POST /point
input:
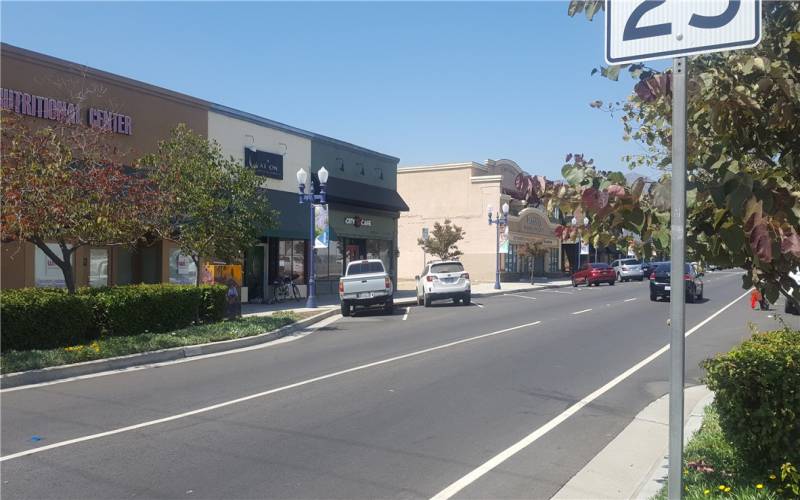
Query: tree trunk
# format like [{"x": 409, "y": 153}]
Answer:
[
  {"x": 64, "y": 263},
  {"x": 196, "y": 260}
]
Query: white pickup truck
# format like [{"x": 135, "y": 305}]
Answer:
[{"x": 365, "y": 283}]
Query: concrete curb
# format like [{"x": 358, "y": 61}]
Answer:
[
  {"x": 52, "y": 373},
  {"x": 633, "y": 465},
  {"x": 652, "y": 484}
]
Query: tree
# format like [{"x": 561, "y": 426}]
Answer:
[
  {"x": 442, "y": 240},
  {"x": 743, "y": 189},
  {"x": 64, "y": 184},
  {"x": 532, "y": 250},
  {"x": 213, "y": 207}
]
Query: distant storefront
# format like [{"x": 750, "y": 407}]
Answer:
[
  {"x": 463, "y": 192},
  {"x": 362, "y": 189}
]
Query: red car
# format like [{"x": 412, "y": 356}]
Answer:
[{"x": 594, "y": 273}]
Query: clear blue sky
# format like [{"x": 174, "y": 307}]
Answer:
[{"x": 426, "y": 82}]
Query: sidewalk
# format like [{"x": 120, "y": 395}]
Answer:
[
  {"x": 634, "y": 464},
  {"x": 404, "y": 296}
]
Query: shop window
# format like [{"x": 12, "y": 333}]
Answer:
[
  {"x": 98, "y": 267},
  {"x": 182, "y": 270},
  {"x": 335, "y": 260},
  {"x": 554, "y": 261},
  {"x": 46, "y": 272},
  {"x": 321, "y": 263},
  {"x": 291, "y": 260}
]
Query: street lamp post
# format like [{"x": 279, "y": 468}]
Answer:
[
  {"x": 311, "y": 198},
  {"x": 585, "y": 224},
  {"x": 498, "y": 221}
]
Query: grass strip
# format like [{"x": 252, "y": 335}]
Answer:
[
  {"x": 713, "y": 470},
  {"x": 109, "y": 347}
]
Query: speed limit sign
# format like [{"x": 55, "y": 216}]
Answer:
[{"x": 641, "y": 30}]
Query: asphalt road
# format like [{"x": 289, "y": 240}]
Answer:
[{"x": 371, "y": 406}]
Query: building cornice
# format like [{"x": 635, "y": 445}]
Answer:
[
  {"x": 441, "y": 166},
  {"x": 484, "y": 179}
]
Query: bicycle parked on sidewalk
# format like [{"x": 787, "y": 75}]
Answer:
[{"x": 284, "y": 289}]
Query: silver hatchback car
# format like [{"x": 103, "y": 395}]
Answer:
[{"x": 628, "y": 269}]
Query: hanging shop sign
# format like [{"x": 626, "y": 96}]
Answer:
[
  {"x": 358, "y": 221},
  {"x": 57, "y": 110},
  {"x": 264, "y": 163}
]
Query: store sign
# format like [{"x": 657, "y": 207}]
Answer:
[
  {"x": 265, "y": 164},
  {"x": 66, "y": 112},
  {"x": 358, "y": 221}
]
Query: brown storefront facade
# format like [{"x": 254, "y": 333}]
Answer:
[{"x": 43, "y": 90}]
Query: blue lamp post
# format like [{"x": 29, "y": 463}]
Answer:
[
  {"x": 311, "y": 199},
  {"x": 498, "y": 221}
]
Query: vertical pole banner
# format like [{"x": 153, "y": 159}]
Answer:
[{"x": 321, "y": 228}]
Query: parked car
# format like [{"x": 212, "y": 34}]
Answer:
[
  {"x": 594, "y": 273},
  {"x": 443, "y": 280},
  {"x": 660, "y": 282},
  {"x": 792, "y": 306},
  {"x": 628, "y": 269},
  {"x": 365, "y": 283}
]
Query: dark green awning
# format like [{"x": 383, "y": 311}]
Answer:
[{"x": 292, "y": 220}]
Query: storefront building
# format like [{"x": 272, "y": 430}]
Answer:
[
  {"x": 462, "y": 193},
  {"x": 364, "y": 205},
  {"x": 44, "y": 89}
]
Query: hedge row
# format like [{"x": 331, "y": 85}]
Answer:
[
  {"x": 757, "y": 396},
  {"x": 41, "y": 318}
]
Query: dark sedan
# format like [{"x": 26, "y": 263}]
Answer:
[{"x": 660, "y": 282}]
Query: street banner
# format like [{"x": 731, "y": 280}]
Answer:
[
  {"x": 503, "y": 239},
  {"x": 321, "y": 229}
]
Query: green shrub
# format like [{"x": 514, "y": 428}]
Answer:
[
  {"x": 757, "y": 395},
  {"x": 41, "y": 318},
  {"x": 213, "y": 303},
  {"x": 133, "y": 309}
]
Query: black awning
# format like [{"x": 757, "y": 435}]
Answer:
[{"x": 363, "y": 195}]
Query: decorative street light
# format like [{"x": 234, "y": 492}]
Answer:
[
  {"x": 311, "y": 198},
  {"x": 497, "y": 221},
  {"x": 585, "y": 224}
]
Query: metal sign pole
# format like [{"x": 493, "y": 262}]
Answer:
[{"x": 678, "y": 288}]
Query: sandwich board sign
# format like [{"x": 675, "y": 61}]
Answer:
[{"x": 642, "y": 30}]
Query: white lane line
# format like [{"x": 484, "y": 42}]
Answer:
[
  {"x": 405, "y": 316},
  {"x": 308, "y": 330},
  {"x": 518, "y": 296},
  {"x": 257, "y": 395},
  {"x": 512, "y": 450},
  {"x": 629, "y": 300},
  {"x": 479, "y": 305},
  {"x": 581, "y": 312}
]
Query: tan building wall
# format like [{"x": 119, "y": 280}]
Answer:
[
  {"x": 459, "y": 192},
  {"x": 462, "y": 192}
]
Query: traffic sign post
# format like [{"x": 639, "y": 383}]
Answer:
[{"x": 641, "y": 30}]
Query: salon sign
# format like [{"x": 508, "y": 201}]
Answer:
[{"x": 48, "y": 108}]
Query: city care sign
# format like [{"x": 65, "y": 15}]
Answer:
[
  {"x": 641, "y": 30},
  {"x": 61, "y": 111}
]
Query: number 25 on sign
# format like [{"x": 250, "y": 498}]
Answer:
[{"x": 641, "y": 30}]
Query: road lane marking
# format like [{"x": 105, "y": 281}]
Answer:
[
  {"x": 257, "y": 395},
  {"x": 518, "y": 296},
  {"x": 308, "y": 330},
  {"x": 581, "y": 312},
  {"x": 629, "y": 300},
  {"x": 554, "y": 291},
  {"x": 479, "y": 305},
  {"x": 405, "y": 316},
  {"x": 512, "y": 450}
]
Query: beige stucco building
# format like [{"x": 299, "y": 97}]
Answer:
[{"x": 462, "y": 192}]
